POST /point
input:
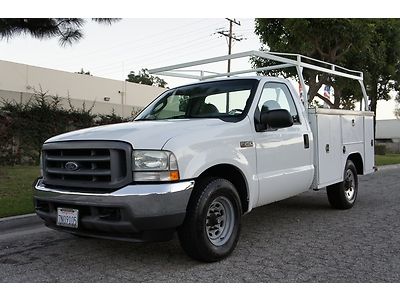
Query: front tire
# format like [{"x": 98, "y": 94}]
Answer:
[
  {"x": 211, "y": 227},
  {"x": 343, "y": 195}
]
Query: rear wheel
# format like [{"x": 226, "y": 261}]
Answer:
[
  {"x": 212, "y": 225},
  {"x": 343, "y": 195}
]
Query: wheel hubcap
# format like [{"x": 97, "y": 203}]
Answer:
[
  {"x": 349, "y": 186},
  {"x": 219, "y": 221}
]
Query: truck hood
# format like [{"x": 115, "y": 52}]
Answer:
[{"x": 140, "y": 134}]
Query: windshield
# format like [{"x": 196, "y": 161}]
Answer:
[{"x": 225, "y": 99}]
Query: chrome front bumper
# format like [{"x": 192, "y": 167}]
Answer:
[{"x": 123, "y": 214}]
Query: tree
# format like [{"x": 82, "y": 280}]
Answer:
[
  {"x": 83, "y": 72},
  {"x": 143, "y": 77},
  {"x": 68, "y": 30},
  {"x": 381, "y": 65},
  {"x": 368, "y": 45},
  {"x": 324, "y": 39}
]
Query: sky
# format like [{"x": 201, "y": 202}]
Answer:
[{"x": 133, "y": 43}]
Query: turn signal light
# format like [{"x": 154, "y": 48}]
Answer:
[{"x": 174, "y": 175}]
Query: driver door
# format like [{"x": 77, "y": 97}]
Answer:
[{"x": 284, "y": 160}]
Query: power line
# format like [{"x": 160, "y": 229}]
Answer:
[
  {"x": 166, "y": 58},
  {"x": 147, "y": 39},
  {"x": 188, "y": 44},
  {"x": 163, "y": 54},
  {"x": 123, "y": 43}
]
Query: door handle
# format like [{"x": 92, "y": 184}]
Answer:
[{"x": 306, "y": 141}]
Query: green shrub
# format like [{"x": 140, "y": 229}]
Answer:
[
  {"x": 380, "y": 149},
  {"x": 25, "y": 126}
]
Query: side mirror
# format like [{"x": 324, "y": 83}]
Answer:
[{"x": 277, "y": 118}]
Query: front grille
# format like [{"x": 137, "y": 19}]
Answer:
[{"x": 87, "y": 164}]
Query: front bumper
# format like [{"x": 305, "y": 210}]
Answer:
[{"x": 135, "y": 212}]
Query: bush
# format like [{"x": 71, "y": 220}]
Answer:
[
  {"x": 380, "y": 149},
  {"x": 25, "y": 126}
]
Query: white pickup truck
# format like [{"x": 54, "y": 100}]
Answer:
[{"x": 202, "y": 155}]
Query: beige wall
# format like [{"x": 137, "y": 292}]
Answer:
[
  {"x": 19, "y": 80},
  {"x": 99, "y": 107}
]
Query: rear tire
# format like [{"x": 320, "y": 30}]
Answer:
[
  {"x": 211, "y": 227},
  {"x": 343, "y": 195}
]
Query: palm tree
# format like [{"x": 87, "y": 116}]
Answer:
[{"x": 68, "y": 30}]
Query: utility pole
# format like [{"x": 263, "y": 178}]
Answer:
[{"x": 231, "y": 36}]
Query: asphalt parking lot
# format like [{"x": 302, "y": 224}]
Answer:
[{"x": 300, "y": 239}]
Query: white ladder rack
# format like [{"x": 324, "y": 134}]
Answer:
[{"x": 286, "y": 60}]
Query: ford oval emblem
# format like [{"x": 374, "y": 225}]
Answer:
[{"x": 71, "y": 166}]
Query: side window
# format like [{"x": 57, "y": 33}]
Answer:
[
  {"x": 218, "y": 100},
  {"x": 277, "y": 96},
  {"x": 230, "y": 103}
]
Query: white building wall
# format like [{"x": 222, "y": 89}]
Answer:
[
  {"x": 388, "y": 129},
  {"x": 388, "y": 134},
  {"x": 20, "y": 80}
]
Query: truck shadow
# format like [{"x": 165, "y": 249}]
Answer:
[{"x": 284, "y": 214}]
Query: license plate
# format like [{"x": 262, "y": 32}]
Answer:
[{"x": 67, "y": 217}]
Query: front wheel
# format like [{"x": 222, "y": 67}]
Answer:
[
  {"x": 343, "y": 195},
  {"x": 211, "y": 228}
]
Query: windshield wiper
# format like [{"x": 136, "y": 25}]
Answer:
[
  {"x": 170, "y": 118},
  {"x": 177, "y": 117}
]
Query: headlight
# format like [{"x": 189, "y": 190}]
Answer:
[{"x": 154, "y": 165}]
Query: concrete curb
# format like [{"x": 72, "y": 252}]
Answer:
[
  {"x": 15, "y": 222},
  {"x": 388, "y": 167}
]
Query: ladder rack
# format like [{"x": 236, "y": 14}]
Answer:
[{"x": 286, "y": 60}]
